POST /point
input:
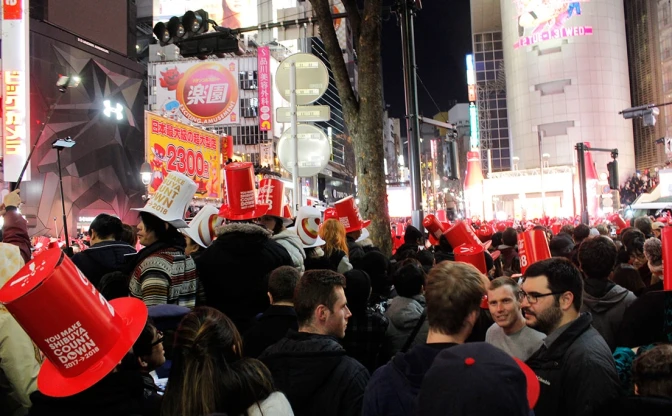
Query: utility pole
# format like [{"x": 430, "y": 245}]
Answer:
[{"x": 407, "y": 9}]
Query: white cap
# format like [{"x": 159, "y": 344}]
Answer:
[
  {"x": 171, "y": 200},
  {"x": 202, "y": 227},
  {"x": 307, "y": 227}
]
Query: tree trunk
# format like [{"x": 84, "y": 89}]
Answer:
[{"x": 363, "y": 116}]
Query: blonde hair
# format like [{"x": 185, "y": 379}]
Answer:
[{"x": 333, "y": 234}]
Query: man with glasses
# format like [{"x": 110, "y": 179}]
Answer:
[{"x": 574, "y": 365}]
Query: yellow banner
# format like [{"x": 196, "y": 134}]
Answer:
[{"x": 174, "y": 146}]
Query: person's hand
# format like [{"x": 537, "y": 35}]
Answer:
[{"x": 12, "y": 199}]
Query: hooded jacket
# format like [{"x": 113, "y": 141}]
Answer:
[
  {"x": 234, "y": 268},
  {"x": 393, "y": 388},
  {"x": 403, "y": 314},
  {"x": 292, "y": 243},
  {"x": 102, "y": 258},
  {"x": 576, "y": 373},
  {"x": 607, "y": 303},
  {"x": 316, "y": 375}
]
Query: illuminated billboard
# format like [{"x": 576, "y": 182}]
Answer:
[
  {"x": 233, "y": 14},
  {"x": 475, "y": 139},
  {"x": 543, "y": 20},
  {"x": 471, "y": 78}
]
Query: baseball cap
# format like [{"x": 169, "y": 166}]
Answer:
[{"x": 477, "y": 379}]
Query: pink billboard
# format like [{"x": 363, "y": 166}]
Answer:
[
  {"x": 542, "y": 20},
  {"x": 264, "y": 76}
]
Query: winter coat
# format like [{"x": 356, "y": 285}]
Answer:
[
  {"x": 163, "y": 274},
  {"x": 576, "y": 373},
  {"x": 118, "y": 394},
  {"x": 394, "y": 387},
  {"x": 638, "y": 405},
  {"x": 15, "y": 231},
  {"x": 19, "y": 365},
  {"x": 403, "y": 314},
  {"x": 271, "y": 327},
  {"x": 102, "y": 258},
  {"x": 644, "y": 321},
  {"x": 316, "y": 375},
  {"x": 234, "y": 270},
  {"x": 355, "y": 250},
  {"x": 608, "y": 309},
  {"x": 292, "y": 243},
  {"x": 276, "y": 405}
]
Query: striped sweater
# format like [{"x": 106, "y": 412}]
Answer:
[{"x": 167, "y": 277}]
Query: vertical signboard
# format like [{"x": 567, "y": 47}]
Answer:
[
  {"x": 15, "y": 79},
  {"x": 471, "y": 78},
  {"x": 264, "y": 75}
]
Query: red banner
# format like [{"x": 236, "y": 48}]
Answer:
[
  {"x": 264, "y": 77},
  {"x": 11, "y": 9}
]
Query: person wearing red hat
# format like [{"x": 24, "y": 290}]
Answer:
[
  {"x": 348, "y": 215},
  {"x": 453, "y": 294},
  {"x": 574, "y": 365}
]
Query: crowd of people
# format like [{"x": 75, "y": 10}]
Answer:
[{"x": 250, "y": 312}]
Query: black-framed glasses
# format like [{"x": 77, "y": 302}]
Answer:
[
  {"x": 533, "y": 298},
  {"x": 158, "y": 340}
]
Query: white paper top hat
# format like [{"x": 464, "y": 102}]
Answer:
[
  {"x": 171, "y": 200},
  {"x": 307, "y": 227},
  {"x": 202, "y": 227}
]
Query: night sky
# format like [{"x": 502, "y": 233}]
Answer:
[{"x": 442, "y": 39}]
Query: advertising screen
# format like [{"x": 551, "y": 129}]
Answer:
[
  {"x": 199, "y": 92},
  {"x": 233, "y": 14},
  {"x": 542, "y": 20},
  {"x": 173, "y": 146}
]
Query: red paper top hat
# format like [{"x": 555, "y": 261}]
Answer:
[
  {"x": 532, "y": 247},
  {"x": 272, "y": 193},
  {"x": 82, "y": 335},
  {"x": 348, "y": 215},
  {"x": 462, "y": 233},
  {"x": 441, "y": 215},
  {"x": 241, "y": 196},
  {"x": 501, "y": 226},
  {"x": 618, "y": 222},
  {"x": 472, "y": 254},
  {"x": 485, "y": 232},
  {"x": 330, "y": 213},
  {"x": 434, "y": 227}
]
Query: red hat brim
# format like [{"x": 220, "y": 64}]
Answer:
[
  {"x": 51, "y": 382},
  {"x": 358, "y": 227},
  {"x": 258, "y": 211},
  {"x": 533, "y": 387}
]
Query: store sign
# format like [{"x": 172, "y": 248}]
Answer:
[
  {"x": 475, "y": 139},
  {"x": 265, "y": 88},
  {"x": 471, "y": 78},
  {"x": 202, "y": 93},
  {"x": 540, "y": 21},
  {"x": 177, "y": 147},
  {"x": 15, "y": 87}
]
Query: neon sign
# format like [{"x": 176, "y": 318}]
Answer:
[
  {"x": 471, "y": 78},
  {"x": 15, "y": 87},
  {"x": 539, "y": 21},
  {"x": 475, "y": 139}
]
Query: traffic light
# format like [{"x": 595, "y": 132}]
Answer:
[
  {"x": 215, "y": 43},
  {"x": 647, "y": 112},
  {"x": 612, "y": 168},
  {"x": 177, "y": 28}
]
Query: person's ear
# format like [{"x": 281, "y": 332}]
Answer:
[
  {"x": 270, "y": 297},
  {"x": 566, "y": 300},
  {"x": 142, "y": 363},
  {"x": 322, "y": 313},
  {"x": 636, "y": 390}
]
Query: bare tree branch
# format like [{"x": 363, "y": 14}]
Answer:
[
  {"x": 355, "y": 20},
  {"x": 328, "y": 34}
]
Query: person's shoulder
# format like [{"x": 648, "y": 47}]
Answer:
[
  {"x": 532, "y": 333},
  {"x": 588, "y": 346}
]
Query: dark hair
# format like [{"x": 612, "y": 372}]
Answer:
[
  {"x": 142, "y": 347},
  {"x": 113, "y": 285},
  {"x": 208, "y": 373},
  {"x": 425, "y": 257},
  {"x": 497, "y": 239},
  {"x": 409, "y": 279},
  {"x": 652, "y": 372},
  {"x": 581, "y": 232},
  {"x": 645, "y": 225},
  {"x": 510, "y": 237},
  {"x": 129, "y": 235},
  {"x": 277, "y": 228},
  {"x": 628, "y": 277},
  {"x": 357, "y": 290},
  {"x": 315, "y": 288},
  {"x": 562, "y": 277},
  {"x": 377, "y": 266},
  {"x": 633, "y": 242},
  {"x": 282, "y": 282},
  {"x": 453, "y": 291},
  {"x": 504, "y": 281},
  {"x": 106, "y": 226},
  {"x": 567, "y": 229},
  {"x": 597, "y": 257},
  {"x": 158, "y": 226}
]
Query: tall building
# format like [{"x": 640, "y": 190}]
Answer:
[
  {"x": 664, "y": 14},
  {"x": 493, "y": 124},
  {"x": 645, "y": 52}
]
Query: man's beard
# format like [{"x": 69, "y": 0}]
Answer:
[{"x": 548, "y": 320}]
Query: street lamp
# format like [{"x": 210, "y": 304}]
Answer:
[
  {"x": 59, "y": 145},
  {"x": 146, "y": 176}
]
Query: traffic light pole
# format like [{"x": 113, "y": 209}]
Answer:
[{"x": 581, "y": 149}]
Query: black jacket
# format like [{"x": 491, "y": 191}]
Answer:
[
  {"x": 118, "y": 394},
  {"x": 394, "y": 387},
  {"x": 271, "y": 327},
  {"x": 577, "y": 374},
  {"x": 644, "y": 321},
  {"x": 234, "y": 271},
  {"x": 102, "y": 258},
  {"x": 355, "y": 250},
  {"x": 638, "y": 405},
  {"x": 316, "y": 376}
]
